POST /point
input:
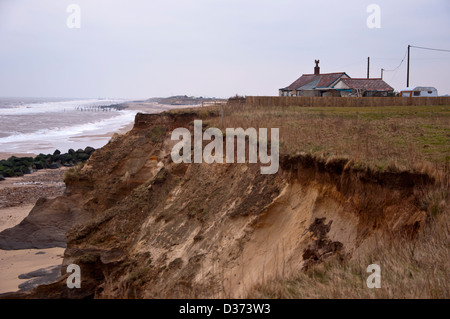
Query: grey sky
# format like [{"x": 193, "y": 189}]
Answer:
[{"x": 140, "y": 49}]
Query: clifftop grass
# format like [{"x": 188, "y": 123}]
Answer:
[{"x": 413, "y": 138}]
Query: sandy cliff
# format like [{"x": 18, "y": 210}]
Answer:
[{"x": 141, "y": 226}]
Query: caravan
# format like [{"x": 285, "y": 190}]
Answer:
[{"x": 418, "y": 91}]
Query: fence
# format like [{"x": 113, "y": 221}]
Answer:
[{"x": 345, "y": 101}]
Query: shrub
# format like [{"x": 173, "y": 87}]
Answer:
[
  {"x": 73, "y": 173},
  {"x": 156, "y": 134}
]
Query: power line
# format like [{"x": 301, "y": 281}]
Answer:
[
  {"x": 423, "y": 48},
  {"x": 403, "y": 60},
  {"x": 412, "y": 46},
  {"x": 399, "y": 64},
  {"x": 432, "y": 49}
]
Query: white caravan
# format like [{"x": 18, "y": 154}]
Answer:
[{"x": 419, "y": 91}]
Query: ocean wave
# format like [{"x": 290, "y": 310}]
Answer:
[
  {"x": 59, "y": 106},
  {"x": 75, "y": 136}
]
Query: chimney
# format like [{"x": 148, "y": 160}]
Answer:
[{"x": 316, "y": 68}]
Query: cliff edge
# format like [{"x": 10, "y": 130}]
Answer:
[{"x": 141, "y": 226}]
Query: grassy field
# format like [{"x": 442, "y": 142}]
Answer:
[{"x": 383, "y": 138}]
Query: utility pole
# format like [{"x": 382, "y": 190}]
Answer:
[
  {"x": 368, "y": 67},
  {"x": 222, "y": 111},
  {"x": 407, "y": 70}
]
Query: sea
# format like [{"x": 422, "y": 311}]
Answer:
[{"x": 42, "y": 125}]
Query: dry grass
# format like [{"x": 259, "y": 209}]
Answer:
[
  {"x": 413, "y": 138},
  {"x": 409, "y": 269},
  {"x": 73, "y": 173}
]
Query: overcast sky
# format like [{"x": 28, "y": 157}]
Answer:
[{"x": 215, "y": 48}]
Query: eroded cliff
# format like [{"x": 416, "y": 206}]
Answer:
[{"x": 151, "y": 228}]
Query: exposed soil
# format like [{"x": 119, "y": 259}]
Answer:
[{"x": 149, "y": 228}]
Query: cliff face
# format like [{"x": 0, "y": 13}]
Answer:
[{"x": 156, "y": 229}]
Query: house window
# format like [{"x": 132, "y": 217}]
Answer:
[{"x": 416, "y": 93}]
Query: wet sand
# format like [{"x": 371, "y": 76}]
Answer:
[
  {"x": 17, "y": 198},
  {"x": 14, "y": 263}
]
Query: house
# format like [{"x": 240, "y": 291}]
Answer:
[
  {"x": 363, "y": 87},
  {"x": 317, "y": 84},
  {"x": 335, "y": 84}
]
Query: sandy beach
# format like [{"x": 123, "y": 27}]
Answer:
[
  {"x": 5, "y": 155},
  {"x": 17, "y": 198},
  {"x": 14, "y": 263},
  {"x": 11, "y": 216}
]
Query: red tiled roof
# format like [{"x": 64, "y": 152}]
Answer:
[
  {"x": 368, "y": 84},
  {"x": 324, "y": 80}
]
